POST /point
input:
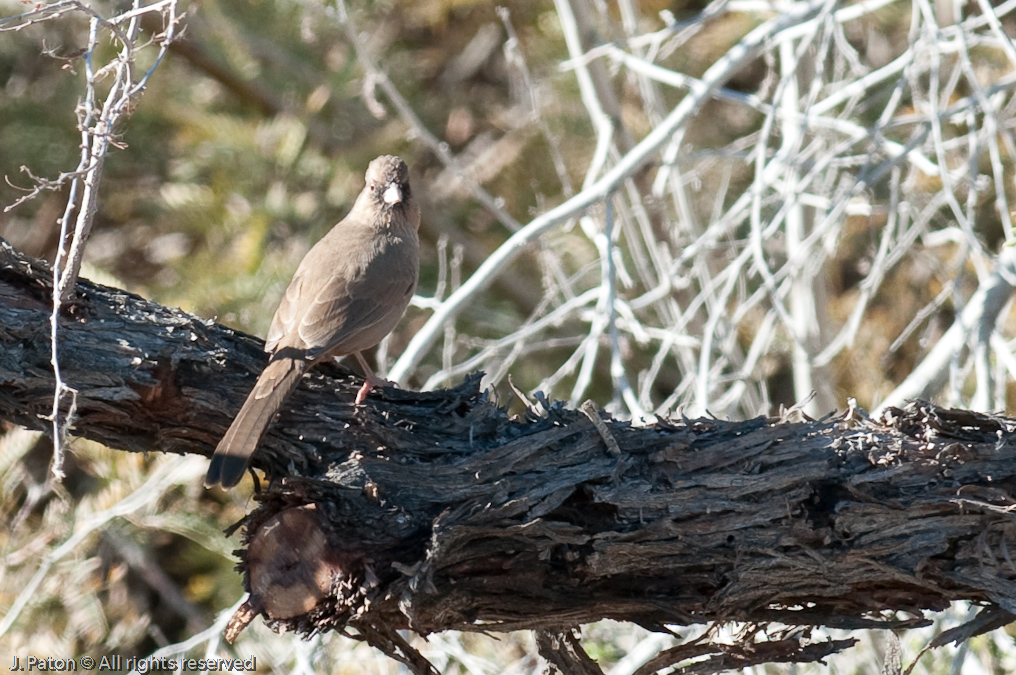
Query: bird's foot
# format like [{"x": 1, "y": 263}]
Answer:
[{"x": 369, "y": 384}]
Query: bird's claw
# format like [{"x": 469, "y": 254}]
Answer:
[{"x": 369, "y": 384}]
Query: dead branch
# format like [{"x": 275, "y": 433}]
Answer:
[{"x": 437, "y": 511}]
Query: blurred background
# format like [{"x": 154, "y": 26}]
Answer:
[{"x": 758, "y": 205}]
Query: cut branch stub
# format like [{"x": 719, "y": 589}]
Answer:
[{"x": 292, "y": 563}]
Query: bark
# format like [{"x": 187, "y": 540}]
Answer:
[{"x": 437, "y": 510}]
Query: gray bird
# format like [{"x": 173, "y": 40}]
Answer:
[{"x": 349, "y": 292}]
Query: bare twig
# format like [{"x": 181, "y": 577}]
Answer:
[
  {"x": 750, "y": 46},
  {"x": 98, "y": 128},
  {"x": 976, "y": 322}
]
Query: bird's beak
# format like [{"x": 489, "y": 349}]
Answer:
[{"x": 393, "y": 194}]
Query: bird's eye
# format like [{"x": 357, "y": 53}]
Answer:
[{"x": 372, "y": 187}]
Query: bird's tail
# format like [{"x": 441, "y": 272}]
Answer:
[{"x": 273, "y": 387}]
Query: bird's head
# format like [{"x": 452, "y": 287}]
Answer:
[{"x": 388, "y": 183}]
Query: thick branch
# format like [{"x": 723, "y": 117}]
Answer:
[{"x": 435, "y": 511}]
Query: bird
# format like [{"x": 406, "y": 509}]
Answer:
[{"x": 348, "y": 293}]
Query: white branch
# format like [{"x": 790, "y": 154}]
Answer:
[{"x": 496, "y": 264}]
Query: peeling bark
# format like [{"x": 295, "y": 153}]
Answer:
[{"x": 437, "y": 511}]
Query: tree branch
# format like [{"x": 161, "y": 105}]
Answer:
[{"x": 437, "y": 511}]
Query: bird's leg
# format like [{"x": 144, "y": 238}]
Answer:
[{"x": 371, "y": 381}]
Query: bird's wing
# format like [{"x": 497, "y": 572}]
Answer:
[{"x": 349, "y": 307}]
